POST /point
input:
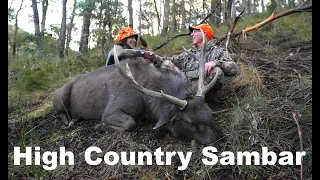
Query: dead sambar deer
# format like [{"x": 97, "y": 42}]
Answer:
[{"x": 120, "y": 93}]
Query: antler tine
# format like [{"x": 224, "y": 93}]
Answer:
[
  {"x": 201, "y": 67},
  {"x": 190, "y": 53},
  {"x": 211, "y": 84},
  {"x": 129, "y": 75},
  {"x": 180, "y": 103}
]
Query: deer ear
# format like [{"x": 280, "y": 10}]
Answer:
[{"x": 163, "y": 120}]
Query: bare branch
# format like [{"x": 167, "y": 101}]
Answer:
[
  {"x": 168, "y": 40},
  {"x": 232, "y": 28},
  {"x": 210, "y": 13},
  {"x": 184, "y": 34}
]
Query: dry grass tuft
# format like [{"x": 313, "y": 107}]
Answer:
[{"x": 250, "y": 77}]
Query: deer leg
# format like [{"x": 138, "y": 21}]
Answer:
[
  {"x": 63, "y": 118},
  {"x": 73, "y": 121},
  {"x": 118, "y": 120},
  {"x": 68, "y": 124}
]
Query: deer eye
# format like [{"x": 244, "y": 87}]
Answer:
[{"x": 193, "y": 124}]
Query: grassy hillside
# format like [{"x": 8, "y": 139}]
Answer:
[{"x": 261, "y": 107}]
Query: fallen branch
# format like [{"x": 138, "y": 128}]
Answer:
[{"x": 273, "y": 17}]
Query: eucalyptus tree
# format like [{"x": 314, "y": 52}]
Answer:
[
  {"x": 62, "y": 35},
  {"x": 262, "y": 6},
  {"x": 166, "y": 15},
  {"x": 113, "y": 18},
  {"x": 140, "y": 17},
  {"x": 147, "y": 15},
  {"x": 233, "y": 9},
  {"x": 36, "y": 24},
  {"x": 191, "y": 8},
  {"x": 45, "y": 4},
  {"x": 86, "y": 6},
  {"x": 158, "y": 15},
  {"x": 183, "y": 14},
  {"x": 70, "y": 27},
  {"x": 15, "y": 41},
  {"x": 291, "y": 3},
  {"x": 173, "y": 17},
  {"x": 98, "y": 32},
  {"x": 227, "y": 13},
  {"x": 109, "y": 17},
  {"x": 130, "y": 13}
]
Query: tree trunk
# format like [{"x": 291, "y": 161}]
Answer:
[
  {"x": 212, "y": 17},
  {"x": 203, "y": 9},
  {"x": 249, "y": 7},
  {"x": 100, "y": 18},
  {"x": 227, "y": 13},
  {"x": 158, "y": 15},
  {"x": 300, "y": 2},
  {"x": 70, "y": 27},
  {"x": 174, "y": 20},
  {"x": 44, "y": 14},
  {"x": 130, "y": 13},
  {"x": 140, "y": 17},
  {"x": 36, "y": 24},
  {"x": 104, "y": 25},
  {"x": 262, "y": 6},
  {"x": 183, "y": 15},
  {"x": 291, "y": 3},
  {"x": 15, "y": 41},
  {"x": 85, "y": 32},
  {"x": 233, "y": 10},
  {"x": 278, "y": 3},
  {"x": 218, "y": 14},
  {"x": 62, "y": 37},
  {"x": 166, "y": 17},
  {"x": 110, "y": 32},
  {"x": 190, "y": 12}
]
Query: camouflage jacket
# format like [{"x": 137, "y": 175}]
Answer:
[
  {"x": 190, "y": 65},
  {"x": 122, "y": 53}
]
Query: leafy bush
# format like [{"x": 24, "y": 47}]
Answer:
[{"x": 32, "y": 80}]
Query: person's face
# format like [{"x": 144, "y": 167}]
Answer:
[
  {"x": 196, "y": 37},
  {"x": 131, "y": 42}
]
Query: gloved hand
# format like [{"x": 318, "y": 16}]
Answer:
[{"x": 148, "y": 55}]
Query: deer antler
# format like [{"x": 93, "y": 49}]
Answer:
[
  {"x": 127, "y": 74},
  {"x": 202, "y": 89}
]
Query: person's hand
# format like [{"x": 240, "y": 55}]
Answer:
[
  {"x": 208, "y": 67},
  {"x": 148, "y": 55}
]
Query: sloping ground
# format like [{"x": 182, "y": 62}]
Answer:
[{"x": 256, "y": 110}]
